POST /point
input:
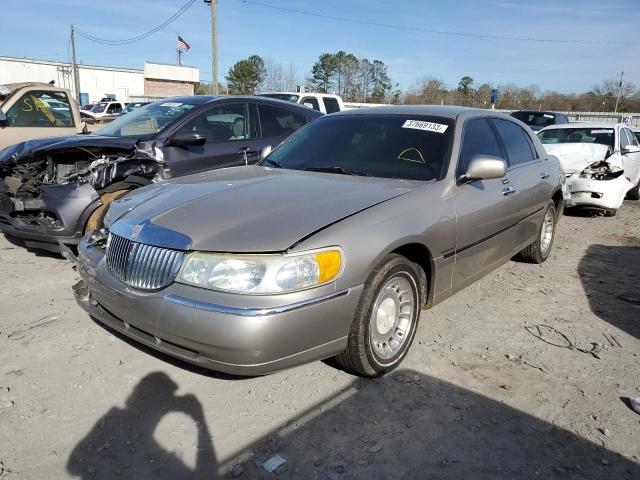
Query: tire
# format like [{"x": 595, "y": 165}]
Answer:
[
  {"x": 539, "y": 250},
  {"x": 634, "y": 193},
  {"x": 610, "y": 212},
  {"x": 95, "y": 220},
  {"x": 389, "y": 309}
]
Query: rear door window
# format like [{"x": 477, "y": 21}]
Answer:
[
  {"x": 331, "y": 104},
  {"x": 478, "y": 139},
  {"x": 279, "y": 122},
  {"x": 311, "y": 101},
  {"x": 515, "y": 141},
  {"x": 41, "y": 109}
]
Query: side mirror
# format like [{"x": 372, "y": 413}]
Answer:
[
  {"x": 266, "y": 151},
  {"x": 3, "y": 119},
  {"x": 485, "y": 167},
  {"x": 184, "y": 139},
  {"x": 630, "y": 149}
]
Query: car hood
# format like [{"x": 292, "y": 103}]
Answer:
[
  {"x": 248, "y": 209},
  {"x": 31, "y": 150},
  {"x": 575, "y": 157}
]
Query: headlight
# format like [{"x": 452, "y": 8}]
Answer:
[{"x": 261, "y": 274}]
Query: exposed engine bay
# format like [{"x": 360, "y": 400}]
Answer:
[
  {"x": 594, "y": 175},
  {"x": 35, "y": 179}
]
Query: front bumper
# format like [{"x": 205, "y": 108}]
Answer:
[
  {"x": 237, "y": 334},
  {"x": 70, "y": 204},
  {"x": 605, "y": 194}
]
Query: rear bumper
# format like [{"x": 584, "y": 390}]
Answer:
[{"x": 201, "y": 328}]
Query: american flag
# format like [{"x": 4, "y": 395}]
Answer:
[{"x": 182, "y": 43}]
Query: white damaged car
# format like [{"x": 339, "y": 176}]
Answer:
[{"x": 601, "y": 162}]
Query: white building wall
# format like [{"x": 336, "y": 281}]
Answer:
[{"x": 94, "y": 80}]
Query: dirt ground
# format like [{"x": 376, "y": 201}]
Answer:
[{"x": 522, "y": 375}]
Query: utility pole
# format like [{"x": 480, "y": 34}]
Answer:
[
  {"x": 74, "y": 65},
  {"x": 615, "y": 110},
  {"x": 214, "y": 44}
]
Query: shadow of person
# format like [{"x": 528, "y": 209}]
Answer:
[
  {"x": 122, "y": 444},
  {"x": 609, "y": 276}
]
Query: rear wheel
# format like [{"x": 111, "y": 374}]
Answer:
[
  {"x": 96, "y": 219},
  {"x": 539, "y": 250},
  {"x": 386, "y": 319}
]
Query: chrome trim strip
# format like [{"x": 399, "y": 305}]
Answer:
[{"x": 251, "y": 312}]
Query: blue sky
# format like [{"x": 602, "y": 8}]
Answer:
[{"x": 40, "y": 29}]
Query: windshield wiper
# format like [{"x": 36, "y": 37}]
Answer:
[
  {"x": 272, "y": 162},
  {"x": 339, "y": 170}
]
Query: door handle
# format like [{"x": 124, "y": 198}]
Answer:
[
  {"x": 544, "y": 175},
  {"x": 505, "y": 181},
  {"x": 508, "y": 191}
]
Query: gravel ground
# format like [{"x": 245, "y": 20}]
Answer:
[{"x": 499, "y": 383}]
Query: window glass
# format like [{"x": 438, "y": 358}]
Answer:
[
  {"x": 515, "y": 142},
  {"x": 312, "y": 101},
  {"x": 631, "y": 137},
  {"x": 624, "y": 141},
  {"x": 331, "y": 104},
  {"x": 279, "y": 122},
  {"x": 535, "y": 119},
  {"x": 603, "y": 136},
  {"x": 221, "y": 124},
  {"x": 479, "y": 139},
  {"x": 146, "y": 121},
  {"x": 41, "y": 109},
  {"x": 377, "y": 145},
  {"x": 637, "y": 135}
]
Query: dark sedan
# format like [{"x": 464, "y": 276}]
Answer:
[{"x": 56, "y": 189}]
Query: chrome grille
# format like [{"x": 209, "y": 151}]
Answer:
[{"x": 142, "y": 266}]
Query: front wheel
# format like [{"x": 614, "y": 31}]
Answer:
[
  {"x": 634, "y": 193},
  {"x": 386, "y": 319},
  {"x": 539, "y": 250}
]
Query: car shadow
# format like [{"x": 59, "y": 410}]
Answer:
[
  {"x": 610, "y": 277},
  {"x": 403, "y": 426},
  {"x": 121, "y": 444},
  {"x": 18, "y": 242}
]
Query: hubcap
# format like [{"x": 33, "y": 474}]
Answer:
[
  {"x": 392, "y": 317},
  {"x": 546, "y": 233}
]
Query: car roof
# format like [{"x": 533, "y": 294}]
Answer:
[
  {"x": 584, "y": 125},
  {"x": 203, "y": 99},
  {"x": 548, "y": 112},
  {"x": 12, "y": 87},
  {"x": 301, "y": 94},
  {"x": 445, "y": 111}
]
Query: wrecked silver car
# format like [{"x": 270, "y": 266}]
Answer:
[
  {"x": 601, "y": 162},
  {"x": 57, "y": 189}
]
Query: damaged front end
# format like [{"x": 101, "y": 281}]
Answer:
[
  {"x": 595, "y": 177},
  {"x": 48, "y": 189}
]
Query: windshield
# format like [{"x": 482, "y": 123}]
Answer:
[
  {"x": 99, "y": 107},
  {"x": 388, "y": 146},
  {"x": 603, "y": 136},
  {"x": 535, "y": 119},
  {"x": 283, "y": 96},
  {"x": 146, "y": 121}
]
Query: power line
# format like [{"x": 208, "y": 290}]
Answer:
[
  {"x": 142, "y": 36},
  {"x": 429, "y": 30}
]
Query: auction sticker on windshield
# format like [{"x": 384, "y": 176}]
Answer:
[{"x": 427, "y": 126}]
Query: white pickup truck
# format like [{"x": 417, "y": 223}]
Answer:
[{"x": 323, "y": 102}]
